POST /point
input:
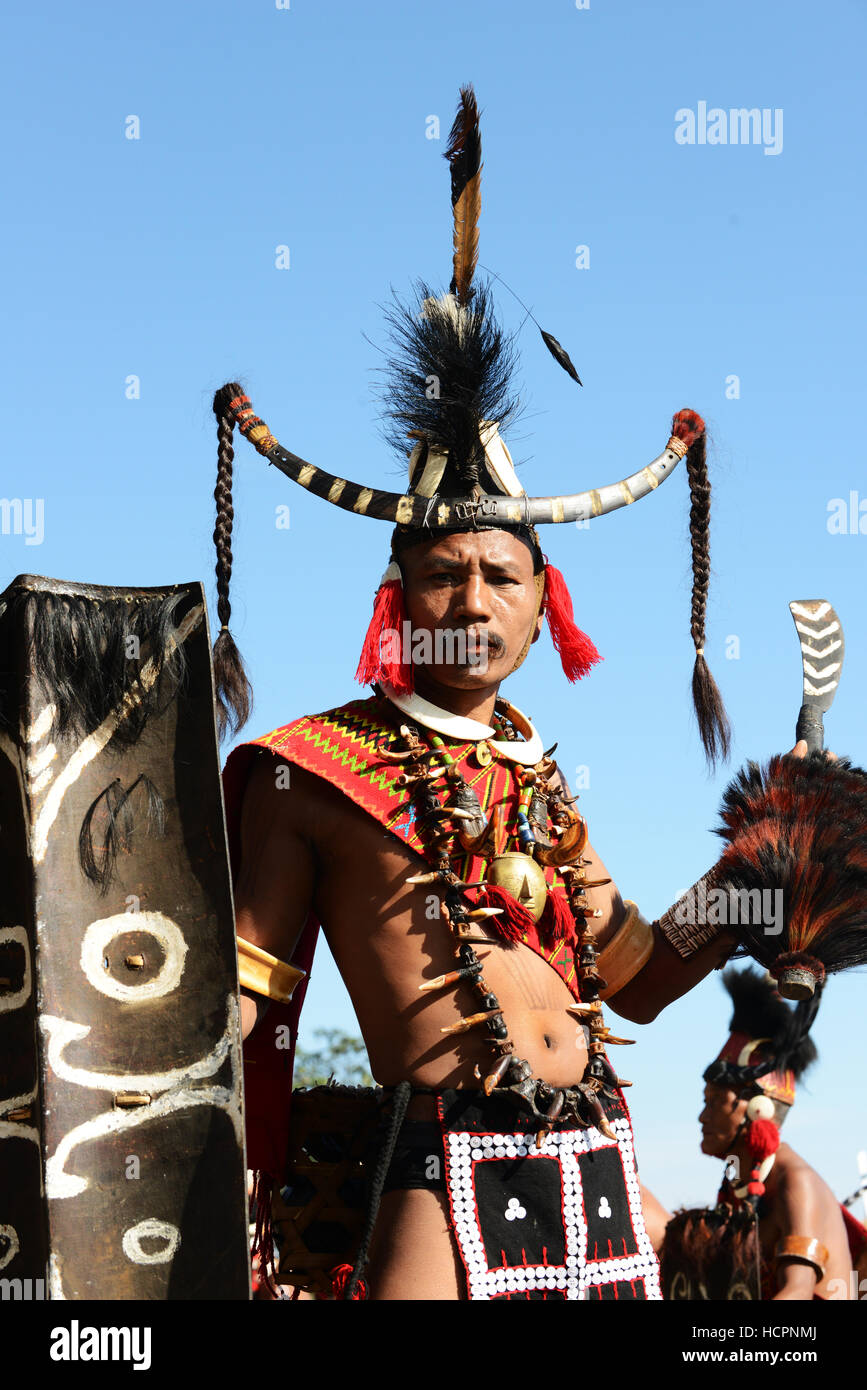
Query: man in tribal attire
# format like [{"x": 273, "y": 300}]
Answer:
[
  {"x": 777, "y": 1231},
  {"x": 429, "y": 831}
]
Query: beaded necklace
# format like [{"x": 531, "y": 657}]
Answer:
[{"x": 546, "y": 831}]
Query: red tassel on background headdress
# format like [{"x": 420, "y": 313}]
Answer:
[
  {"x": 762, "y": 1139},
  {"x": 577, "y": 652},
  {"x": 389, "y": 614}
]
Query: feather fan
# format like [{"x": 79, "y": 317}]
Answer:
[{"x": 799, "y": 825}]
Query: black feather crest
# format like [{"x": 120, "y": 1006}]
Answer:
[
  {"x": 761, "y": 1012},
  {"x": 449, "y": 370}
]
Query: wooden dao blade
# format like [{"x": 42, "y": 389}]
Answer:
[{"x": 822, "y": 649}]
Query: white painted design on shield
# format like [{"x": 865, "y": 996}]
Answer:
[
  {"x": 62, "y": 1031},
  {"x": 90, "y": 747},
  {"x": 20, "y": 996},
  {"x": 40, "y": 726},
  {"x": 41, "y": 762},
  {"x": 100, "y": 933},
  {"x": 162, "y": 1230},
  {"x": 55, "y": 1283},
  {"x": 10, "y": 1234},
  {"x": 38, "y": 784},
  {"x": 176, "y": 1097}
]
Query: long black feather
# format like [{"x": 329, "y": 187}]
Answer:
[{"x": 559, "y": 353}]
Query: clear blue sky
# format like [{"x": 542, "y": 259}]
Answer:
[{"x": 306, "y": 127}]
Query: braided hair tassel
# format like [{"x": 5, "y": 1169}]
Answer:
[
  {"x": 233, "y": 688},
  {"x": 713, "y": 723}
]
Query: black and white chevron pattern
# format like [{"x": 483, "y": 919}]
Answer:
[{"x": 822, "y": 649}]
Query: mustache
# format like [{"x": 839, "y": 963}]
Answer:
[
  {"x": 482, "y": 645},
  {"x": 483, "y": 637}
]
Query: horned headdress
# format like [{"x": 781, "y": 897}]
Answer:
[{"x": 449, "y": 394}]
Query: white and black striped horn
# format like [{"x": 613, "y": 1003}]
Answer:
[{"x": 444, "y": 512}]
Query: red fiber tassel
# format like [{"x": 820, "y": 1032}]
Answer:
[
  {"x": 340, "y": 1277},
  {"x": 687, "y": 426},
  {"x": 514, "y": 922},
  {"x": 762, "y": 1139},
  {"x": 577, "y": 652},
  {"x": 384, "y": 641},
  {"x": 755, "y": 1187},
  {"x": 556, "y": 922},
  {"x": 262, "y": 1249}
]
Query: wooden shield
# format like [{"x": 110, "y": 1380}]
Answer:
[{"x": 122, "y": 1162}]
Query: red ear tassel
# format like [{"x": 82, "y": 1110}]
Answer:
[
  {"x": 762, "y": 1140},
  {"x": 577, "y": 652},
  {"x": 382, "y": 650}
]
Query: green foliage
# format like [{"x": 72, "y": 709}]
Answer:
[{"x": 339, "y": 1056}]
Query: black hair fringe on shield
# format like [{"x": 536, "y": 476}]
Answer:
[
  {"x": 86, "y": 655},
  {"x": 449, "y": 369},
  {"x": 114, "y": 808},
  {"x": 761, "y": 1012}
]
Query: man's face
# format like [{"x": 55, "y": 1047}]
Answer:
[
  {"x": 720, "y": 1120},
  {"x": 480, "y": 587}
]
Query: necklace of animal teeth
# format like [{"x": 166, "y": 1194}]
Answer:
[{"x": 541, "y": 806}]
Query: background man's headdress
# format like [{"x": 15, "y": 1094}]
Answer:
[
  {"x": 767, "y": 1050},
  {"x": 769, "y": 1045},
  {"x": 449, "y": 382}
]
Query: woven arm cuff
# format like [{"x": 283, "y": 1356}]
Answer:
[
  {"x": 692, "y": 922},
  {"x": 263, "y": 973}
]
